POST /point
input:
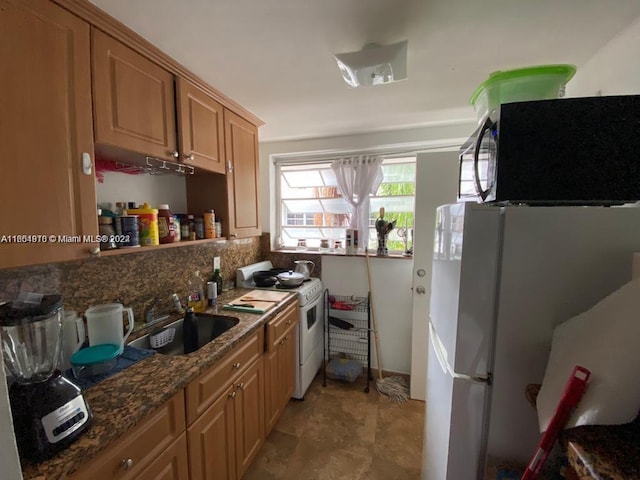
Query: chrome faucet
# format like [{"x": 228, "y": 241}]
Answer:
[{"x": 150, "y": 311}]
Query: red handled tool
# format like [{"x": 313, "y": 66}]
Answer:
[{"x": 573, "y": 391}]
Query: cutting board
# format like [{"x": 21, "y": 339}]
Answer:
[
  {"x": 262, "y": 296},
  {"x": 260, "y": 301}
]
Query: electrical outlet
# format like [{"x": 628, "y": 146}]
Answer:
[{"x": 216, "y": 262}]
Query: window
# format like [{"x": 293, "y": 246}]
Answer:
[{"x": 311, "y": 207}]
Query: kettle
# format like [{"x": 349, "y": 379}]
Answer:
[{"x": 302, "y": 266}]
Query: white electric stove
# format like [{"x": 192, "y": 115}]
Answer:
[{"x": 310, "y": 325}]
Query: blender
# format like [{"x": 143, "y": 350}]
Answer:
[{"x": 48, "y": 410}]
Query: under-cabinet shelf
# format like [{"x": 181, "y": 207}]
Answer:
[{"x": 186, "y": 243}]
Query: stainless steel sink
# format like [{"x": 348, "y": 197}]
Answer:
[{"x": 210, "y": 327}]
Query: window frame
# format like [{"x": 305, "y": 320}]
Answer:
[{"x": 279, "y": 211}]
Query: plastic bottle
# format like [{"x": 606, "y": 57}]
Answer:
[
  {"x": 209, "y": 224},
  {"x": 190, "y": 331},
  {"x": 196, "y": 300},
  {"x": 166, "y": 224},
  {"x": 147, "y": 224},
  {"x": 217, "y": 277}
]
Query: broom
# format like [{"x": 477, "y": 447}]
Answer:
[{"x": 395, "y": 387}]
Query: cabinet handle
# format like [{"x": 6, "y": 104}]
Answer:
[
  {"x": 232, "y": 394},
  {"x": 240, "y": 386},
  {"x": 289, "y": 322},
  {"x": 234, "y": 235},
  {"x": 229, "y": 166},
  {"x": 236, "y": 365},
  {"x": 94, "y": 252},
  {"x": 126, "y": 464},
  {"x": 189, "y": 157},
  {"x": 175, "y": 154},
  {"x": 87, "y": 165}
]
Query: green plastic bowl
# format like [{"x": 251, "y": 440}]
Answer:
[{"x": 542, "y": 82}]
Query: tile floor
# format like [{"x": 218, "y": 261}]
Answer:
[{"x": 339, "y": 432}]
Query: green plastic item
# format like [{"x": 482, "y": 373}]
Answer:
[
  {"x": 540, "y": 82},
  {"x": 95, "y": 354}
]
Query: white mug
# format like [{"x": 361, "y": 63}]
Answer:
[
  {"x": 104, "y": 323},
  {"x": 73, "y": 335}
]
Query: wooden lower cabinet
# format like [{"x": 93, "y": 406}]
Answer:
[
  {"x": 229, "y": 434},
  {"x": 280, "y": 364},
  {"x": 173, "y": 464},
  {"x": 152, "y": 445}
]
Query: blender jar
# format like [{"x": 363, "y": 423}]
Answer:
[{"x": 31, "y": 335}]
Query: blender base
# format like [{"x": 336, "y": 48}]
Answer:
[{"x": 48, "y": 416}]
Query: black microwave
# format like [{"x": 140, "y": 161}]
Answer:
[{"x": 571, "y": 151}]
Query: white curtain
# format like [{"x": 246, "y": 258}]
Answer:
[{"x": 358, "y": 178}]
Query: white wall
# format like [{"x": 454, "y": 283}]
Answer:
[
  {"x": 614, "y": 70},
  {"x": 141, "y": 188},
  {"x": 391, "y": 286}
]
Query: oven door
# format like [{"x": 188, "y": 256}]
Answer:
[{"x": 311, "y": 328}]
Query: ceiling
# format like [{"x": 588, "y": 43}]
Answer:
[{"x": 275, "y": 57}]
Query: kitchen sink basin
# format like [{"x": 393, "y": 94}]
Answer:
[{"x": 210, "y": 327}]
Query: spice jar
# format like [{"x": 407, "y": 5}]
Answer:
[{"x": 199, "y": 228}]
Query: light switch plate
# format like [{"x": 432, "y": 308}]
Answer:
[{"x": 216, "y": 262}]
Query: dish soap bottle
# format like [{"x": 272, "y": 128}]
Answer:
[
  {"x": 217, "y": 278},
  {"x": 196, "y": 293},
  {"x": 190, "y": 331}
]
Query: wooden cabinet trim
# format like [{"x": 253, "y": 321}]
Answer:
[
  {"x": 277, "y": 328},
  {"x": 204, "y": 390},
  {"x": 113, "y": 27},
  {"x": 142, "y": 444},
  {"x": 172, "y": 464}
]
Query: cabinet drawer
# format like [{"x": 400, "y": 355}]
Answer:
[
  {"x": 205, "y": 389},
  {"x": 139, "y": 447},
  {"x": 279, "y": 326},
  {"x": 173, "y": 464}
]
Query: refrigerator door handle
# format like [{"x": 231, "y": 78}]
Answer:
[{"x": 441, "y": 355}]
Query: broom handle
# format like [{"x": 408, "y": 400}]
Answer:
[{"x": 373, "y": 316}]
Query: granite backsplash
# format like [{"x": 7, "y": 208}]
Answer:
[{"x": 134, "y": 279}]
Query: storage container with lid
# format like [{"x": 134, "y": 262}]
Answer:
[{"x": 541, "y": 82}]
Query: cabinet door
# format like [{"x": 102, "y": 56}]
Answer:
[
  {"x": 272, "y": 389},
  {"x": 133, "y": 98},
  {"x": 289, "y": 368},
  {"x": 241, "y": 144},
  {"x": 212, "y": 440},
  {"x": 249, "y": 415},
  {"x": 45, "y": 127},
  {"x": 200, "y": 127},
  {"x": 172, "y": 464}
]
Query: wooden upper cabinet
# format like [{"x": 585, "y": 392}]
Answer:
[
  {"x": 200, "y": 128},
  {"x": 46, "y": 126},
  {"x": 134, "y": 100},
  {"x": 241, "y": 144}
]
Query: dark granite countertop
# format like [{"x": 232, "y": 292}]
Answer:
[
  {"x": 121, "y": 401},
  {"x": 604, "y": 452}
]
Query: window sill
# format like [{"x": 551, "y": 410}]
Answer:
[{"x": 315, "y": 251}]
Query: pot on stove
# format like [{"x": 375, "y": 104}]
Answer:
[
  {"x": 267, "y": 278},
  {"x": 290, "y": 279}
]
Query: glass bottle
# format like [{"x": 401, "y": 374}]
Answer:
[{"x": 217, "y": 277}]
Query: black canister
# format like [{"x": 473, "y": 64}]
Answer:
[{"x": 128, "y": 232}]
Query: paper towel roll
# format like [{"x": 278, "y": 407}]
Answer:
[{"x": 635, "y": 266}]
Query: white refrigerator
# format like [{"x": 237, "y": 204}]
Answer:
[{"x": 502, "y": 278}]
